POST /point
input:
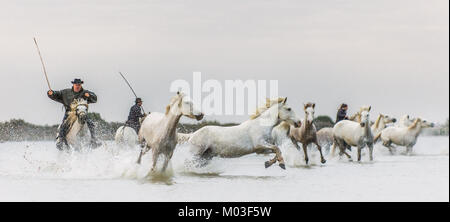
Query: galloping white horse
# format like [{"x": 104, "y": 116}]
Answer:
[
  {"x": 251, "y": 136},
  {"x": 354, "y": 134},
  {"x": 159, "y": 129},
  {"x": 381, "y": 123},
  {"x": 403, "y": 136},
  {"x": 126, "y": 136},
  {"x": 76, "y": 122},
  {"x": 325, "y": 135}
]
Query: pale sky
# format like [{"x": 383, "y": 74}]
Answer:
[{"x": 392, "y": 55}]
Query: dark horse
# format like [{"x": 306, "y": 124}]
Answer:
[{"x": 306, "y": 133}]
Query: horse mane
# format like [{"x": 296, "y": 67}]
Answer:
[
  {"x": 71, "y": 118},
  {"x": 285, "y": 126},
  {"x": 72, "y": 114},
  {"x": 353, "y": 117},
  {"x": 414, "y": 125},
  {"x": 76, "y": 102},
  {"x": 269, "y": 103},
  {"x": 377, "y": 122}
]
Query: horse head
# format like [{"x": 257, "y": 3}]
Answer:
[
  {"x": 426, "y": 124},
  {"x": 309, "y": 112},
  {"x": 181, "y": 104},
  {"x": 364, "y": 112},
  {"x": 287, "y": 114},
  {"x": 80, "y": 108},
  {"x": 387, "y": 119},
  {"x": 406, "y": 120}
]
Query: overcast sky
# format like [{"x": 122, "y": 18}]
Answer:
[{"x": 392, "y": 55}]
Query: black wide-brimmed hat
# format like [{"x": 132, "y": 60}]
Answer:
[
  {"x": 77, "y": 81},
  {"x": 138, "y": 100}
]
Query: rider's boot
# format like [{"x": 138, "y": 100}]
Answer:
[
  {"x": 61, "y": 138},
  {"x": 61, "y": 141}
]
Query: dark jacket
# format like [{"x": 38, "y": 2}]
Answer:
[
  {"x": 66, "y": 96},
  {"x": 135, "y": 114},
  {"x": 341, "y": 115}
]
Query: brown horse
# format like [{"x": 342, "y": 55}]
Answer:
[{"x": 306, "y": 133}]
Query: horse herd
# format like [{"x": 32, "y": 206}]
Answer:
[{"x": 273, "y": 124}]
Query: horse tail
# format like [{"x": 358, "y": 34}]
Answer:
[
  {"x": 183, "y": 137},
  {"x": 377, "y": 137}
]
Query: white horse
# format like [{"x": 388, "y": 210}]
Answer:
[
  {"x": 75, "y": 123},
  {"x": 325, "y": 138},
  {"x": 184, "y": 137},
  {"x": 126, "y": 136},
  {"x": 381, "y": 123},
  {"x": 347, "y": 132},
  {"x": 325, "y": 135},
  {"x": 403, "y": 136},
  {"x": 251, "y": 136},
  {"x": 158, "y": 130}
]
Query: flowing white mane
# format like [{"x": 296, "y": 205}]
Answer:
[{"x": 269, "y": 103}]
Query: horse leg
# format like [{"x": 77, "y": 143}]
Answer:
[
  {"x": 343, "y": 147},
  {"x": 408, "y": 150},
  {"x": 388, "y": 145},
  {"x": 322, "y": 159},
  {"x": 333, "y": 149},
  {"x": 144, "y": 150},
  {"x": 278, "y": 157},
  {"x": 359, "y": 153},
  {"x": 155, "y": 160},
  {"x": 371, "y": 152},
  {"x": 348, "y": 155},
  {"x": 305, "y": 150},
  {"x": 166, "y": 163},
  {"x": 295, "y": 143}
]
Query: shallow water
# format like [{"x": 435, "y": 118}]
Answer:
[{"x": 36, "y": 171}]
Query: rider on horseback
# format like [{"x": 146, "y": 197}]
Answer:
[
  {"x": 342, "y": 113},
  {"x": 66, "y": 97},
  {"x": 135, "y": 115}
]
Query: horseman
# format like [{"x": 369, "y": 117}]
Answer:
[
  {"x": 66, "y": 97},
  {"x": 135, "y": 115},
  {"x": 342, "y": 113}
]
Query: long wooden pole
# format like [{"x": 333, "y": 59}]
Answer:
[
  {"x": 42, "y": 62},
  {"x": 142, "y": 107}
]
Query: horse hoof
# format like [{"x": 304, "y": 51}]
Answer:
[
  {"x": 282, "y": 166},
  {"x": 267, "y": 164},
  {"x": 350, "y": 160},
  {"x": 323, "y": 161}
]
